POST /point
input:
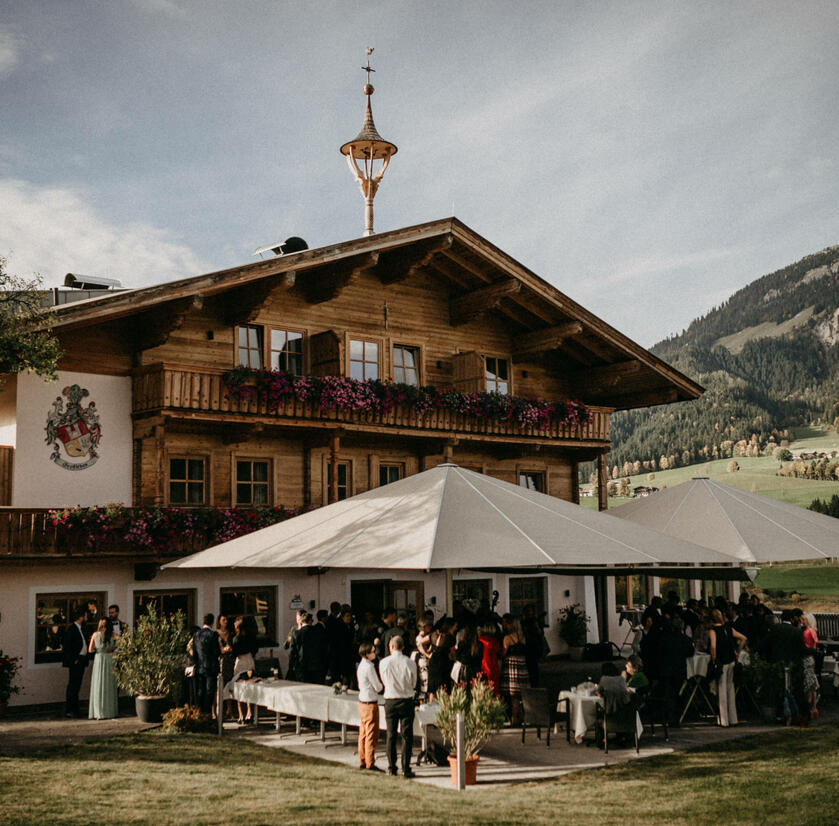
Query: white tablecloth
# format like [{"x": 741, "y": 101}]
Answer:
[
  {"x": 583, "y": 711},
  {"x": 316, "y": 702},
  {"x": 697, "y": 665}
]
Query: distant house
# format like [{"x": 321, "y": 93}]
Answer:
[{"x": 643, "y": 490}]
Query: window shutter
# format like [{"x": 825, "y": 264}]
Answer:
[
  {"x": 325, "y": 350},
  {"x": 469, "y": 372}
]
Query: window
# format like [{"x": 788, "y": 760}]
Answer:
[
  {"x": 364, "y": 360},
  {"x": 250, "y": 339},
  {"x": 54, "y": 612},
  {"x": 532, "y": 480},
  {"x": 252, "y": 482},
  {"x": 166, "y": 603},
  {"x": 344, "y": 481},
  {"x": 527, "y": 590},
  {"x": 287, "y": 351},
  {"x": 186, "y": 481},
  {"x": 474, "y": 594},
  {"x": 680, "y": 586},
  {"x": 406, "y": 365},
  {"x": 390, "y": 473},
  {"x": 497, "y": 375},
  {"x": 258, "y": 604}
]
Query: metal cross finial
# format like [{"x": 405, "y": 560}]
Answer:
[{"x": 368, "y": 68}]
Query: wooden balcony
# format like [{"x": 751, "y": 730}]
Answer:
[
  {"x": 201, "y": 394},
  {"x": 28, "y": 533}
]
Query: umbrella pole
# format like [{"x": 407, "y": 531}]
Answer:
[{"x": 449, "y": 593}]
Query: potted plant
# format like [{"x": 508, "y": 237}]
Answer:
[
  {"x": 149, "y": 662},
  {"x": 483, "y": 715},
  {"x": 9, "y": 667},
  {"x": 573, "y": 628}
]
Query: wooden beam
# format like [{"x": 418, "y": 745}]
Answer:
[
  {"x": 152, "y": 327},
  {"x": 602, "y": 483},
  {"x": 596, "y": 380},
  {"x": 482, "y": 274},
  {"x": 401, "y": 263},
  {"x": 536, "y": 307},
  {"x": 243, "y": 304},
  {"x": 467, "y": 307},
  {"x": 541, "y": 341},
  {"x": 628, "y": 401},
  {"x": 458, "y": 279},
  {"x": 325, "y": 283},
  {"x": 598, "y": 347}
]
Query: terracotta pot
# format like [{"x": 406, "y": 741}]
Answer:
[
  {"x": 151, "y": 709},
  {"x": 471, "y": 767}
]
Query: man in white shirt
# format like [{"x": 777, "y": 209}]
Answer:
[
  {"x": 399, "y": 675},
  {"x": 369, "y": 688}
]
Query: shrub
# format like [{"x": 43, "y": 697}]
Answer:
[
  {"x": 573, "y": 625},
  {"x": 187, "y": 719},
  {"x": 483, "y": 714},
  {"x": 9, "y": 667}
]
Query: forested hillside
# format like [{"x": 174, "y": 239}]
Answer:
[{"x": 769, "y": 360}]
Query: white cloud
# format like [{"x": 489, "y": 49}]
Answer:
[
  {"x": 169, "y": 8},
  {"x": 54, "y": 231},
  {"x": 9, "y": 51}
]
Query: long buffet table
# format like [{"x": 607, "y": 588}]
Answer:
[{"x": 316, "y": 702}]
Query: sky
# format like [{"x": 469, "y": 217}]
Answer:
[{"x": 646, "y": 158}]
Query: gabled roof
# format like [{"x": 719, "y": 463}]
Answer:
[
  {"x": 482, "y": 278},
  {"x": 751, "y": 527}
]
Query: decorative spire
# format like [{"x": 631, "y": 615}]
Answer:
[{"x": 368, "y": 146}]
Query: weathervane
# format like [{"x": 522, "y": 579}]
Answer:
[{"x": 368, "y": 146}]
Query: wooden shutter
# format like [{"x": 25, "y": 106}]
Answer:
[
  {"x": 469, "y": 374},
  {"x": 325, "y": 352},
  {"x": 7, "y": 462}
]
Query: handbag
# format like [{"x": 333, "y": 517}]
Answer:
[{"x": 457, "y": 672}]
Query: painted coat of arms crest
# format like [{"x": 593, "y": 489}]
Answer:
[{"x": 73, "y": 428}]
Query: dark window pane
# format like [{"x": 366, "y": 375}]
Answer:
[
  {"x": 196, "y": 493},
  {"x": 260, "y": 495},
  {"x": 177, "y": 493},
  {"x": 260, "y": 471},
  {"x": 243, "y": 494},
  {"x": 501, "y": 366},
  {"x": 243, "y": 471},
  {"x": 196, "y": 469},
  {"x": 177, "y": 469}
]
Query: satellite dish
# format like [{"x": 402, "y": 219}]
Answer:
[{"x": 290, "y": 245}]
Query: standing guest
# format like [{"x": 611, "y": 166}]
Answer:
[
  {"x": 343, "y": 655},
  {"x": 74, "y": 657},
  {"x": 726, "y": 645},
  {"x": 314, "y": 651},
  {"x": 386, "y": 631},
  {"x": 488, "y": 637},
  {"x": 244, "y": 648},
  {"x": 292, "y": 643},
  {"x": 207, "y": 653},
  {"x": 369, "y": 688},
  {"x": 103, "y": 703},
  {"x": 440, "y": 664},
  {"x": 811, "y": 681},
  {"x": 334, "y": 638},
  {"x": 422, "y": 655},
  {"x": 534, "y": 643},
  {"x": 514, "y": 670},
  {"x": 399, "y": 676},
  {"x": 469, "y": 653},
  {"x": 367, "y": 629},
  {"x": 117, "y": 625},
  {"x": 225, "y": 641}
]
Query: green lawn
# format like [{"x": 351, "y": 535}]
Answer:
[
  {"x": 820, "y": 582},
  {"x": 775, "y": 778}
]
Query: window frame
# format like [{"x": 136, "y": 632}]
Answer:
[
  {"x": 498, "y": 357},
  {"x": 271, "y": 639},
  {"x": 234, "y": 480},
  {"x": 545, "y": 598},
  {"x": 399, "y": 467},
  {"x": 271, "y": 329},
  {"x": 365, "y": 339},
  {"x": 190, "y": 593},
  {"x": 260, "y": 330},
  {"x": 187, "y": 457},
  {"x": 418, "y": 350},
  {"x": 44, "y": 657},
  {"x": 342, "y": 460},
  {"x": 529, "y": 471}
]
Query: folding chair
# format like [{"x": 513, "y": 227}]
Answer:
[{"x": 539, "y": 711}]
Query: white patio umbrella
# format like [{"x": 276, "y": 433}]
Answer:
[
  {"x": 753, "y": 528},
  {"x": 449, "y": 517}
]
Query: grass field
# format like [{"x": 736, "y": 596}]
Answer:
[{"x": 776, "y": 778}]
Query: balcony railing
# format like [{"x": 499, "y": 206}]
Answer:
[
  {"x": 164, "y": 387},
  {"x": 29, "y": 533}
]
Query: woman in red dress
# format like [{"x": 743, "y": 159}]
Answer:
[{"x": 488, "y": 638}]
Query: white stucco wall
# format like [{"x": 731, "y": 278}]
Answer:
[
  {"x": 40, "y": 482},
  {"x": 8, "y": 412}
]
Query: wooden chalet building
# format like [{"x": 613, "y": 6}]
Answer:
[{"x": 151, "y": 423}]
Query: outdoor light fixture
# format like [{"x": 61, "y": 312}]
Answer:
[{"x": 364, "y": 150}]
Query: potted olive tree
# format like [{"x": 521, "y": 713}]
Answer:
[
  {"x": 149, "y": 661},
  {"x": 483, "y": 715},
  {"x": 573, "y": 628}
]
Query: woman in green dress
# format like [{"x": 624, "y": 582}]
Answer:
[{"x": 104, "y": 698}]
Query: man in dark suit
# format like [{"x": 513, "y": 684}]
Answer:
[
  {"x": 314, "y": 651},
  {"x": 785, "y": 642},
  {"x": 74, "y": 657},
  {"x": 207, "y": 653}
]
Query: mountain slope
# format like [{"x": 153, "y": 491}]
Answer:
[{"x": 769, "y": 360}]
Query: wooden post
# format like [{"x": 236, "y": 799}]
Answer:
[
  {"x": 575, "y": 483},
  {"x": 334, "y": 447},
  {"x": 602, "y": 483},
  {"x": 449, "y": 593}
]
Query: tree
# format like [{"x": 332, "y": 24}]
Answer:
[{"x": 26, "y": 340}]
